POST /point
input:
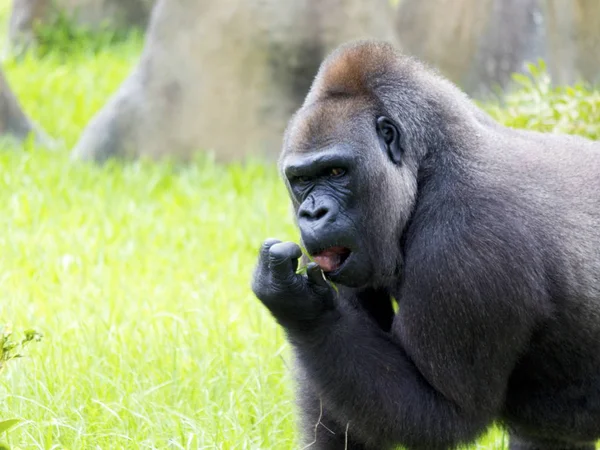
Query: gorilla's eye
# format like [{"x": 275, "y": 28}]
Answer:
[
  {"x": 336, "y": 172},
  {"x": 302, "y": 179}
]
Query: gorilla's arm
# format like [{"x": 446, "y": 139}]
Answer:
[
  {"x": 320, "y": 429},
  {"x": 439, "y": 377},
  {"x": 369, "y": 383}
]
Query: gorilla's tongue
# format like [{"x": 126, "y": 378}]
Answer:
[{"x": 332, "y": 258}]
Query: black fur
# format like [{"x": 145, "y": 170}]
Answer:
[{"x": 488, "y": 238}]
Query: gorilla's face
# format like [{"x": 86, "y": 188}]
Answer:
[
  {"x": 324, "y": 185},
  {"x": 343, "y": 167}
]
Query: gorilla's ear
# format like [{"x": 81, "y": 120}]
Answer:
[{"x": 389, "y": 137}]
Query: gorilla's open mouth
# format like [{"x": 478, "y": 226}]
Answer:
[{"x": 332, "y": 258}]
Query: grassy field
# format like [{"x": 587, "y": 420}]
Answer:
[{"x": 138, "y": 277}]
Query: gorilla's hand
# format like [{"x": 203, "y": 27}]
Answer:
[{"x": 295, "y": 300}]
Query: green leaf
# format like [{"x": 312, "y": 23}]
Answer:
[
  {"x": 523, "y": 80},
  {"x": 6, "y": 425}
]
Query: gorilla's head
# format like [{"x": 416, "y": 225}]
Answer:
[{"x": 352, "y": 154}]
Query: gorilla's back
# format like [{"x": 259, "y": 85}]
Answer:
[{"x": 556, "y": 181}]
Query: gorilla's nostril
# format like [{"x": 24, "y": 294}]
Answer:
[
  {"x": 314, "y": 214},
  {"x": 320, "y": 213},
  {"x": 318, "y": 209}
]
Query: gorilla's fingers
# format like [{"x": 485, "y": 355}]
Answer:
[
  {"x": 261, "y": 272},
  {"x": 264, "y": 252},
  {"x": 266, "y": 245},
  {"x": 283, "y": 259},
  {"x": 315, "y": 275}
]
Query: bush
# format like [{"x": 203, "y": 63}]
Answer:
[
  {"x": 63, "y": 36},
  {"x": 537, "y": 105}
]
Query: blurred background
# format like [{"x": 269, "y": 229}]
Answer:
[
  {"x": 138, "y": 141},
  {"x": 208, "y": 67}
]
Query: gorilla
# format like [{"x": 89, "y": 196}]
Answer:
[{"x": 453, "y": 276}]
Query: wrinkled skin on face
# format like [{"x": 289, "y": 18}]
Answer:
[{"x": 352, "y": 193}]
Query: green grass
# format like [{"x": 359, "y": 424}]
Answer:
[{"x": 138, "y": 277}]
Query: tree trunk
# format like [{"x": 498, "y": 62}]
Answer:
[
  {"x": 573, "y": 29},
  {"x": 225, "y": 77},
  {"x": 478, "y": 44},
  {"x": 14, "y": 124}
]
